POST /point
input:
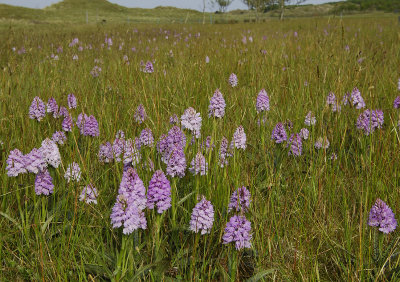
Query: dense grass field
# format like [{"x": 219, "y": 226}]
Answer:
[{"x": 308, "y": 213}]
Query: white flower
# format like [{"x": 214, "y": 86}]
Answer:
[
  {"x": 73, "y": 173},
  {"x": 191, "y": 121},
  {"x": 51, "y": 153}
]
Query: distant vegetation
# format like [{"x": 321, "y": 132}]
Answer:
[
  {"x": 367, "y": 5},
  {"x": 79, "y": 12}
]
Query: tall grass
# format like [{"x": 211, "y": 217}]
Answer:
[{"x": 309, "y": 214}]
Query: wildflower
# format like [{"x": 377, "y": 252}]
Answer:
[
  {"x": 176, "y": 138},
  {"x": 233, "y": 80},
  {"x": 240, "y": 200},
  {"x": 95, "y": 72},
  {"x": 238, "y": 230},
  {"x": 396, "y": 103},
  {"x": 118, "y": 145},
  {"x": 207, "y": 59},
  {"x": 63, "y": 112},
  {"x": 162, "y": 145},
  {"x": 279, "y": 133},
  {"x": 191, "y": 121},
  {"x": 296, "y": 146},
  {"x": 44, "y": 183},
  {"x": 262, "y": 103},
  {"x": 73, "y": 173},
  {"x": 108, "y": 41},
  {"x": 131, "y": 153},
  {"x": 140, "y": 114},
  {"x": 89, "y": 194},
  {"x": 217, "y": 105},
  {"x": 34, "y": 161},
  {"x": 118, "y": 213},
  {"x": 202, "y": 217},
  {"x": 356, "y": 99},
  {"x": 198, "y": 165},
  {"x": 159, "y": 192},
  {"x": 369, "y": 120},
  {"x": 223, "y": 153},
  {"x": 310, "y": 119},
  {"x": 67, "y": 123},
  {"x": 135, "y": 219},
  {"x": 174, "y": 119},
  {"x": 52, "y": 107},
  {"x": 80, "y": 122},
  {"x": 304, "y": 133},
  {"x": 128, "y": 215},
  {"x": 239, "y": 138},
  {"x": 331, "y": 101},
  {"x": 382, "y": 216},
  {"x": 322, "y": 143},
  {"x": 15, "y": 163},
  {"x": 50, "y": 152},
  {"x": 105, "y": 153},
  {"x": 288, "y": 124},
  {"x": 59, "y": 137},
  {"x": 346, "y": 99},
  {"x": 192, "y": 140},
  {"x": 72, "y": 101},
  {"x": 207, "y": 144},
  {"x": 333, "y": 156},
  {"x": 74, "y": 42},
  {"x": 37, "y": 110},
  {"x": 146, "y": 138},
  {"x": 133, "y": 189},
  {"x": 90, "y": 127},
  {"x": 126, "y": 59},
  {"x": 148, "y": 68},
  {"x": 176, "y": 164}
]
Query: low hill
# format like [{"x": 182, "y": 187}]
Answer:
[{"x": 74, "y": 5}]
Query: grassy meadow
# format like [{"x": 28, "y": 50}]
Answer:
[{"x": 308, "y": 213}]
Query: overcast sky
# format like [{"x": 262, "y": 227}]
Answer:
[{"x": 191, "y": 4}]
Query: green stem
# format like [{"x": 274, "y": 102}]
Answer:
[
  {"x": 159, "y": 219},
  {"x": 234, "y": 265},
  {"x": 193, "y": 264},
  {"x": 198, "y": 188},
  {"x": 174, "y": 195},
  {"x": 121, "y": 259},
  {"x": 376, "y": 248}
]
